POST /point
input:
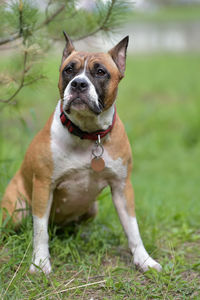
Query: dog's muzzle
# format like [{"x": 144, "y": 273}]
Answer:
[{"x": 80, "y": 94}]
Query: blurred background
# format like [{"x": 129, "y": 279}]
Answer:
[
  {"x": 156, "y": 26},
  {"x": 158, "y": 99}
]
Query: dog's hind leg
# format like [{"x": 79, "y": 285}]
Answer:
[{"x": 16, "y": 200}]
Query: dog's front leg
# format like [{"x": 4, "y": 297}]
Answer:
[
  {"x": 123, "y": 198},
  {"x": 41, "y": 205}
]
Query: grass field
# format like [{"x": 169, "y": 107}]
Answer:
[
  {"x": 170, "y": 13},
  {"x": 159, "y": 104}
]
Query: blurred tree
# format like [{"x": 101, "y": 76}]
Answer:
[{"x": 29, "y": 28}]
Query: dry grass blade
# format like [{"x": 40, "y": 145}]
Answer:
[
  {"x": 17, "y": 269},
  {"x": 74, "y": 288},
  {"x": 70, "y": 281},
  {"x": 87, "y": 282},
  {"x": 54, "y": 289}
]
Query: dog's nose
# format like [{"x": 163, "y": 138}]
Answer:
[{"x": 79, "y": 84}]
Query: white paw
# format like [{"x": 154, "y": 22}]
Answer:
[
  {"x": 143, "y": 261},
  {"x": 41, "y": 264}
]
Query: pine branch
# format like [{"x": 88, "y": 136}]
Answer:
[
  {"x": 49, "y": 19},
  {"x": 22, "y": 81},
  {"x": 9, "y": 39},
  {"x": 15, "y": 36},
  {"x": 21, "y": 18},
  {"x": 102, "y": 26},
  {"x": 34, "y": 80},
  {"x": 47, "y": 8}
]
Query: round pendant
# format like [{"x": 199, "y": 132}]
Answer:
[{"x": 98, "y": 164}]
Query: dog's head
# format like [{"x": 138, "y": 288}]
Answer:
[{"x": 88, "y": 81}]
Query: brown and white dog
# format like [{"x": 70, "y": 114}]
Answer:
[{"x": 57, "y": 178}]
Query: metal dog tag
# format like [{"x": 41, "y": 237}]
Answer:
[{"x": 98, "y": 163}]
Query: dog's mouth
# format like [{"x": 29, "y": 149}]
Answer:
[{"x": 81, "y": 103}]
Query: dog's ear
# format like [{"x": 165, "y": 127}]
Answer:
[
  {"x": 118, "y": 54},
  {"x": 69, "y": 47}
]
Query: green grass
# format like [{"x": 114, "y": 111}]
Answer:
[
  {"x": 173, "y": 13},
  {"x": 158, "y": 102}
]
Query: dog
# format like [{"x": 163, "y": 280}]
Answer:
[{"x": 82, "y": 149}]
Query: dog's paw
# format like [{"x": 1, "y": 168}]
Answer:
[
  {"x": 41, "y": 264},
  {"x": 145, "y": 265},
  {"x": 144, "y": 262}
]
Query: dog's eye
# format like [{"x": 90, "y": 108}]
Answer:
[
  {"x": 68, "y": 70},
  {"x": 101, "y": 72}
]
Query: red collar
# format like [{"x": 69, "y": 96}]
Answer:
[{"x": 72, "y": 128}]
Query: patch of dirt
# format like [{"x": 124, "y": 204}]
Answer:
[
  {"x": 190, "y": 275},
  {"x": 119, "y": 255},
  {"x": 4, "y": 256}
]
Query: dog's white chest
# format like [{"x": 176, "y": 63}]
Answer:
[
  {"x": 72, "y": 170},
  {"x": 76, "y": 184}
]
